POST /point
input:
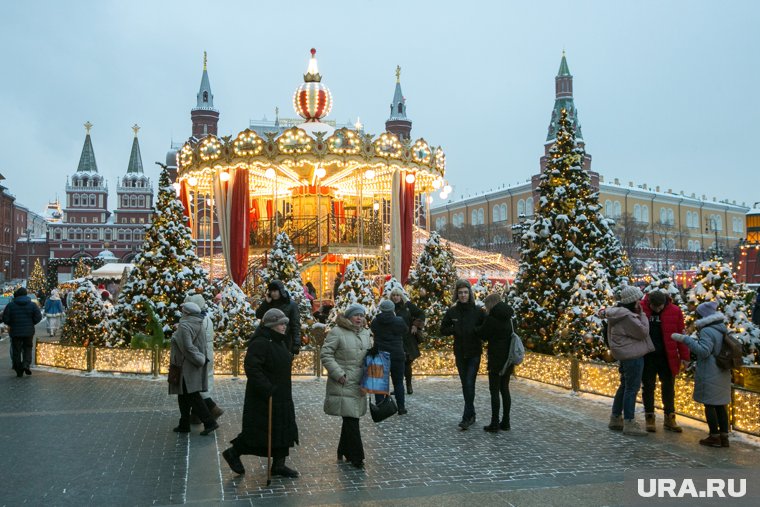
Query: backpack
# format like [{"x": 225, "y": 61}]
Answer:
[
  {"x": 516, "y": 351},
  {"x": 731, "y": 353}
]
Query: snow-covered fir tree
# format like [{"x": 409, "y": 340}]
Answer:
[
  {"x": 389, "y": 286},
  {"x": 482, "y": 288},
  {"x": 166, "y": 270},
  {"x": 37, "y": 281},
  {"x": 566, "y": 248},
  {"x": 431, "y": 288},
  {"x": 235, "y": 319},
  {"x": 354, "y": 289},
  {"x": 86, "y": 318},
  {"x": 663, "y": 282},
  {"x": 283, "y": 265},
  {"x": 715, "y": 282}
]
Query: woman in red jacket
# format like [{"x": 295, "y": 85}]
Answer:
[{"x": 665, "y": 318}]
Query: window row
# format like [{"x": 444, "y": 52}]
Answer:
[
  {"x": 738, "y": 224},
  {"x": 98, "y": 234},
  {"x": 77, "y": 200},
  {"x": 667, "y": 216},
  {"x": 694, "y": 246},
  {"x": 525, "y": 207},
  {"x": 612, "y": 209},
  {"x": 133, "y": 201},
  {"x": 714, "y": 223},
  {"x": 641, "y": 213}
]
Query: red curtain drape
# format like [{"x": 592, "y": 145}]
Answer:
[
  {"x": 254, "y": 216},
  {"x": 239, "y": 228},
  {"x": 270, "y": 215},
  {"x": 340, "y": 212},
  {"x": 185, "y": 200},
  {"x": 407, "y": 223}
]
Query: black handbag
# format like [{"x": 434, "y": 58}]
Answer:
[
  {"x": 383, "y": 410},
  {"x": 175, "y": 374}
]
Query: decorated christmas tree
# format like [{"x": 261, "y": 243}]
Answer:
[
  {"x": 663, "y": 282},
  {"x": 82, "y": 269},
  {"x": 354, "y": 289},
  {"x": 166, "y": 269},
  {"x": 569, "y": 257},
  {"x": 431, "y": 287},
  {"x": 86, "y": 321},
  {"x": 36, "y": 282},
  {"x": 389, "y": 286},
  {"x": 715, "y": 282},
  {"x": 235, "y": 318},
  {"x": 482, "y": 288},
  {"x": 282, "y": 265}
]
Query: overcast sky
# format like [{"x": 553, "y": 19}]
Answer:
[{"x": 666, "y": 90}]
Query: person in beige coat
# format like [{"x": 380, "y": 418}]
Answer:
[
  {"x": 188, "y": 351},
  {"x": 343, "y": 356},
  {"x": 628, "y": 335}
]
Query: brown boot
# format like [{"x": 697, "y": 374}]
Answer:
[
  {"x": 712, "y": 441},
  {"x": 670, "y": 423},
  {"x": 616, "y": 423},
  {"x": 650, "y": 421},
  {"x": 724, "y": 440}
]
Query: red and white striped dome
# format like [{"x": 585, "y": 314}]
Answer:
[{"x": 312, "y": 100}]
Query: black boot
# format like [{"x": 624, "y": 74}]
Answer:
[
  {"x": 233, "y": 460},
  {"x": 493, "y": 427},
  {"x": 279, "y": 468},
  {"x": 409, "y": 389},
  {"x": 182, "y": 427},
  {"x": 504, "y": 425}
]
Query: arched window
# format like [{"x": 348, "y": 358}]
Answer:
[
  {"x": 663, "y": 216},
  {"x": 124, "y": 201},
  {"x": 107, "y": 235},
  {"x": 529, "y": 206},
  {"x": 400, "y": 107},
  {"x": 474, "y": 217},
  {"x": 697, "y": 246},
  {"x": 141, "y": 201},
  {"x": 205, "y": 96},
  {"x": 504, "y": 215},
  {"x": 645, "y": 214},
  {"x": 481, "y": 216},
  {"x": 671, "y": 220},
  {"x": 133, "y": 201},
  {"x": 520, "y": 207},
  {"x": 637, "y": 212},
  {"x": 92, "y": 200},
  {"x": 75, "y": 199},
  {"x": 608, "y": 208},
  {"x": 496, "y": 217},
  {"x": 128, "y": 235},
  {"x": 618, "y": 209}
]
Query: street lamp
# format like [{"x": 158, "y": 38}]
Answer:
[
  {"x": 711, "y": 223},
  {"x": 7, "y": 271}
]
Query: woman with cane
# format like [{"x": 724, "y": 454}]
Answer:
[{"x": 269, "y": 417}]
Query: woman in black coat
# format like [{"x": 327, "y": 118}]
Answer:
[
  {"x": 414, "y": 318},
  {"x": 267, "y": 366},
  {"x": 496, "y": 330},
  {"x": 388, "y": 330}
]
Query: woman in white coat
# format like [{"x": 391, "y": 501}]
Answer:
[
  {"x": 208, "y": 332},
  {"x": 343, "y": 356}
]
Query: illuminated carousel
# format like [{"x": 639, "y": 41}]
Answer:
[{"x": 340, "y": 194}]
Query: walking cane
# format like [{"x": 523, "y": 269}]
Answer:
[{"x": 269, "y": 445}]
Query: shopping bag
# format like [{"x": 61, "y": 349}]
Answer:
[
  {"x": 383, "y": 410},
  {"x": 377, "y": 371}
]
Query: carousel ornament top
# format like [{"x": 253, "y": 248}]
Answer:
[{"x": 312, "y": 100}]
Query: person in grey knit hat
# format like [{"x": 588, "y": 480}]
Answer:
[
  {"x": 354, "y": 309},
  {"x": 629, "y": 340},
  {"x": 267, "y": 364}
]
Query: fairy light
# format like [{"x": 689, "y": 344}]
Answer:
[{"x": 224, "y": 176}]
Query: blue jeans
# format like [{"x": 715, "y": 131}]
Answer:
[
  {"x": 468, "y": 373},
  {"x": 398, "y": 364},
  {"x": 630, "y": 383}
]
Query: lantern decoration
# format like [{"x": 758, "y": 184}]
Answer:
[{"x": 312, "y": 100}]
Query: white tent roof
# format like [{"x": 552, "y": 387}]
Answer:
[{"x": 111, "y": 270}]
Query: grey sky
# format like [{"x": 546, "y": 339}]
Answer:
[{"x": 666, "y": 90}]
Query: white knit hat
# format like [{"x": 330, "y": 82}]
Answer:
[{"x": 630, "y": 294}]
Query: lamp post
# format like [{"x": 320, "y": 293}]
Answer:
[
  {"x": 7, "y": 271},
  {"x": 28, "y": 247},
  {"x": 710, "y": 223}
]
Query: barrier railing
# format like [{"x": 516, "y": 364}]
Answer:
[{"x": 580, "y": 376}]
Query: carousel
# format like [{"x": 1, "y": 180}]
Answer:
[{"x": 340, "y": 194}]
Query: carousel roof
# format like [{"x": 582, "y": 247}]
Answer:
[{"x": 345, "y": 158}]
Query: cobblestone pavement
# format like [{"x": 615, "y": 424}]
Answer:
[{"x": 70, "y": 439}]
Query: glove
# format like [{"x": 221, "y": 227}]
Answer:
[
  {"x": 372, "y": 351},
  {"x": 678, "y": 337},
  {"x": 295, "y": 350}
]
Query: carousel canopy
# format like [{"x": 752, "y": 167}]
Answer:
[{"x": 313, "y": 153}]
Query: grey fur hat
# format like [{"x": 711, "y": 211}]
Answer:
[{"x": 274, "y": 317}]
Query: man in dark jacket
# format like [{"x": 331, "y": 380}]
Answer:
[
  {"x": 461, "y": 320},
  {"x": 665, "y": 318},
  {"x": 21, "y": 315},
  {"x": 389, "y": 331},
  {"x": 277, "y": 296}
]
